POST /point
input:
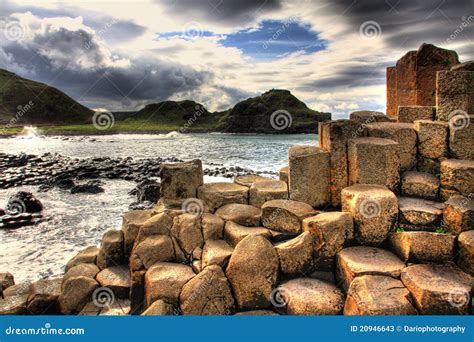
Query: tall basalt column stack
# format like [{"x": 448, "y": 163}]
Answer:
[
  {"x": 181, "y": 180},
  {"x": 455, "y": 93},
  {"x": 412, "y": 82},
  {"x": 309, "y": 175},
  {"x": 333, "y": 137},
  {"x": 374, "y": 161}
]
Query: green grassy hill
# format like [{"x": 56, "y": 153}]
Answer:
[
  {"x": 290, "y": 115},
  {"x": 29, "y": 102}
]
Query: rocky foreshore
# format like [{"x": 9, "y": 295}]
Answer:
[{"x": 377, "y": 220}]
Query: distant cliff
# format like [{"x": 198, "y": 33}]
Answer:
[{"x": 25, "y": 102}]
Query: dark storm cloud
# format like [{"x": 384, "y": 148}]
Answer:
[
  {"x": 230, "y": 12},
  {"x": 408, "y": 23},
  {"x": 351, "y": 76},
  {"x": 73, "y": 62}
]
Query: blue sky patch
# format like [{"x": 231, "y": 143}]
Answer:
[{"x": 274, "y": 39}]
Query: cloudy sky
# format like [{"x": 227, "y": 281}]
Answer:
[{"x": 121, "y": 55}]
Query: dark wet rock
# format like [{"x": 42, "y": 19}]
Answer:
[
  {"x": 89, "y": 188},
  {"x": 23, "y": 202}
]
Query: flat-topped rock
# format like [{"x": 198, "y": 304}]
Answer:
[
  {"x": 308, "y": 297},
  {"x": 420, "y": 184},
  {"x": 438, "y": 289},
  {"x": 76, "y": 293},
  {"x": 86, "y": 256},
  {"x": 119, "y": 307},
  {"x": 367, "y": 116},
  {"x": 285, "y": 215},
  {"x": 371, "y": 295},
  {"x": 216, "y": 252},
  {"x": 153, "y": 249},
  {"x": 374, "y": 210},
  {"x": 420, "y": 212},
  {"x": 159, "y": 308},
  {"x": 111, "y": 251},
  {"x": 296, "y": 255},
  {"x": 409, "y": 114},
  {"x": 248, "y": 180},
  {"x": 466, "y": 251},
  {"x": 402, "y": 133},
  {"x": 333, "y": 137},
  {"x": 264, "y": 191},
  {"x": 131, "y": 223},
  {"x": 43, "y": 297},
  {"x": 234, "y": 233},
  {"x": 117, "y": 279},
  {"x": 165, "y": 280},
  {"x": 159, "y": 224},
  {"x": 208, "y": 293},
  {"x": 309, "y": 173},
  {"x": 243, "y": 214},
  {"x": 457, "y": 178},
  {"x": 17, "y": 290},
  {"x": 356, "y": 261},
  {"x": 432, "y": 138},
  {"x": 374, "y": 161},
  {"x": 180, "y": 180},
  {"x": 253, "y": 272},
  {"x": 454, "y": 93},
  {"x": 330, "y": 232},
  {"x": 13, "y": 305},
  {"x": 187, "y": 231},
  {"x": 283, "y": 174},
  {"x": 212, "y": 227},
  {"x": 85, "y": 270},
  {"x": 419, "y": 247},
  {"x": 458, "y": 215},
  {"x": 218, "y": 194}
]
